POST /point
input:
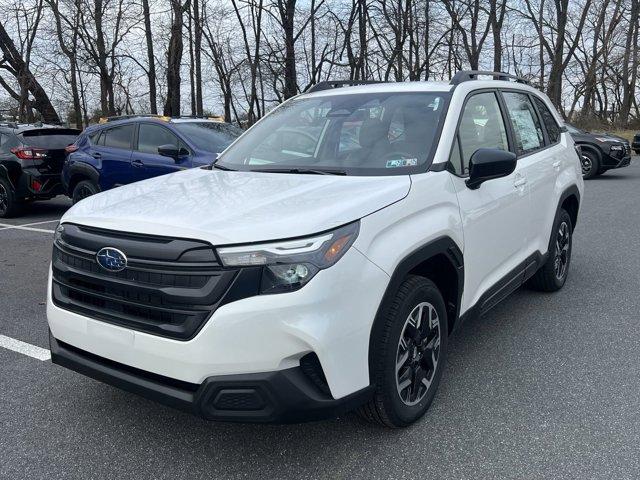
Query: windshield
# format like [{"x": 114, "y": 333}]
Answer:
[
  {"x": 210, "y": 136},
  {"x": 357, "y": 134}
]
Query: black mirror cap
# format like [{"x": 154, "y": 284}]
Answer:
[
  {"x": 172, "y": 151},
  {"x": 489, "y": 163}
]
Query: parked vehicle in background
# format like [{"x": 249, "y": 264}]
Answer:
[
  {"x": 31, "y": 160},
  {"x": 636, "y": 143},
  {"x": 321, "y": 263},
  {"x": 123, "y": 150},
  {"x": 600, "y": 151}
]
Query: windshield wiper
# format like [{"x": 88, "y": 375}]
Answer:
[
  {"x": 312, "y": 171},
  {"x": 221, "y": 167}
]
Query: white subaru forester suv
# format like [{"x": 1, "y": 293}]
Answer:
[{"x": 322, "y": 262}]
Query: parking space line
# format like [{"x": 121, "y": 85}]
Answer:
[
  {"x": 8, "y": 226},
  {"x": 25, "y": 348}
]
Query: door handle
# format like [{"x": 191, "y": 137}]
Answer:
[
  {"x": 556, "y": 165},
  {"x": 137, "y": 163},
  {"x": 96, "y": 155},
  {"x": 520, "y": 182}
]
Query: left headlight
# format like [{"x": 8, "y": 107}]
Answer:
[{"x": 290, "y": 264}]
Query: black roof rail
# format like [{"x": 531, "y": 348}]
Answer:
[
  {"x": 329, "y": 84},
  {"x": 468, "y": 75}
]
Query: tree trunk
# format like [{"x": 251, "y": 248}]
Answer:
[
  {"x": 41, "y": 101},
  {"x": 151, "y": 60},
  {"x": 174, "y": 57},
  {"x": 198, "y": 55}
]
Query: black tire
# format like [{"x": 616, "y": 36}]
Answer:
[
  {"x": 637, "y": 152},
  {"x": 590, "y": 164},
  {"x": 9, "y": 205},
  {"x": 84, "y": 189},
  {"x": 547, "y": 278},
  {"x": 387, "y": 407}
]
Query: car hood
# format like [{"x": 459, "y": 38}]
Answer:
[
  {"x": 610, "y": 138},
  {"x": 228, "y": 207}
]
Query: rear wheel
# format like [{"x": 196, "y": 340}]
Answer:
[
  {"x": 553, "y": 274},
  {"x": 411, "y": 348},
  {"x": 590, "y": 165},
  {"x": 84, "y": 189},
  {"x": 9, "y": 206}
]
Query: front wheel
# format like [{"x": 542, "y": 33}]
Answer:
[
  {"x": 553, "y": 274},
  {"x": 590, "y": 165},
  {"x": 410, "y": 348}
]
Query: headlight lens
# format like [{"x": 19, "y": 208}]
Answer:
[
  {"x": 617, "y": 148},
  {"x": 57, "y": 234},
  {"x": 290, "y": 264}
]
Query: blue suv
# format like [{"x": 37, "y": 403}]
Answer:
[{"x": 125, "y": 150}]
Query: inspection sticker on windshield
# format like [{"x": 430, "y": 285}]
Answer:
[{"x": 402, "y": 162}]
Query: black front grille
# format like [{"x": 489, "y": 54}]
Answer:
[{"x": 170, "y": 286}]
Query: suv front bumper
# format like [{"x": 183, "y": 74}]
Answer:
[
  {"x": 283, "y": 396},
  {"x": 330, "y": 317}
]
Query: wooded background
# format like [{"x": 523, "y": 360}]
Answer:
[{"x": 77, "y": 60}]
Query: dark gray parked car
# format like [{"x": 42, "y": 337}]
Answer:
[{"x": 600, "y": 151}]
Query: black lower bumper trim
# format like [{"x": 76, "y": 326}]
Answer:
[{"x": 283, "y": 396}]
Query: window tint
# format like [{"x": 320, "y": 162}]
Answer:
[
  {"x": 150, "y": 137},
  {"x": 118, "y": 137},
  {"x": 553, "y": 130},
  {"x": 481, "y": 126},
  {"x": 3, "y": 139},
  {"x": 526, "y": 125}
]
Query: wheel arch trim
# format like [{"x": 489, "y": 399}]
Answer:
[
  {"x": 437, "y": 248},
  {"x": 82, "y": 169}
]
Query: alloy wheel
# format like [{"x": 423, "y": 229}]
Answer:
[
  {"x": 587, "y": 165},
  {"x": 561, "y": 260},
  {"x": 418, "y": 353}
]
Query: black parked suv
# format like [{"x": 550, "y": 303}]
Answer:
[
  {"x": 31, "y": 159},
  {"x": 636, "y": 143},
  {"x": 600, "y": 151}
]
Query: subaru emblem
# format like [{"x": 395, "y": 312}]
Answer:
[{"x": 111, "y": 259}]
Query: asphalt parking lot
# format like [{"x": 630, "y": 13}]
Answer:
[{"x": 544, "y": 386}]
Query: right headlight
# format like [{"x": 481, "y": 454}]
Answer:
[{"x": 290, "y": 264}]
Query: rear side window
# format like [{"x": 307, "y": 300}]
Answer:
[
  {"x": 553, "y": 130},
  {"x": 526, "y": 124},
  {"x": 150, "y": 137},
  {"x": 3, "y": 139},
  {"x": 117, "y": 137},
  {"x": 481, "y": 126}
]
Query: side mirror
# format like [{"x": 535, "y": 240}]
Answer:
[
  {"x": 172, "y": 151},
  {"x": 489, "y": 163}
]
